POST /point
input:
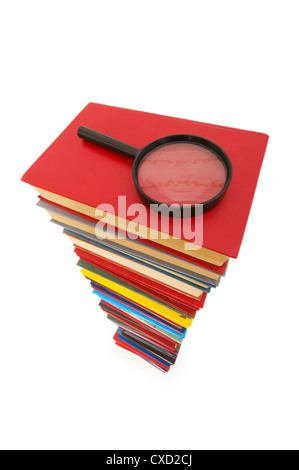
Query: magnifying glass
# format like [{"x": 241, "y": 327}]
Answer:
[{"x": 182, "y": 169}]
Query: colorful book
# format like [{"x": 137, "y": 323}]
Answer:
[{"x": 150, "y": 286}]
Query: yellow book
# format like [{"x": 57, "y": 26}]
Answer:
[{"x": 142, "y": 300}]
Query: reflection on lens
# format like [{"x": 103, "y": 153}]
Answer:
[{"x": 181, "y": 173}]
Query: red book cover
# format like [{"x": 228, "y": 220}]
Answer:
[{"x": 93, "y": 175}]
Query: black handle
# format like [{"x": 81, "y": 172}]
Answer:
[{"x": 106, "y": 141}]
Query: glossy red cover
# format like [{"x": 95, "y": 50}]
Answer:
[{"x": 94, "y": 175}]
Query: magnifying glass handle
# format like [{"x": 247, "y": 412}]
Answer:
[{"x": 106, "y": 141}]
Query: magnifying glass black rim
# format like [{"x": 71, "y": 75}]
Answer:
[{"x": 206, "y": 205}]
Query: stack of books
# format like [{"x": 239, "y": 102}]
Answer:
[{"x": 149, "y": 281}]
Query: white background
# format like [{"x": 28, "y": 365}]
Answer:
[{"x": 64, "y": 385}]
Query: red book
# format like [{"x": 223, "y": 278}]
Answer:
[
  {"x": 86, "y": 173},
  {"x": 211, "y": 267},
  {"x": 165, "y": 341},
  {"x": 136, "y": 351},
  {"x": 141, "y": 281},
  {"x": 183, "y": 307}
]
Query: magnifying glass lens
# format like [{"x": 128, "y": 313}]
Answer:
[{"x": 182, "y": 173}]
